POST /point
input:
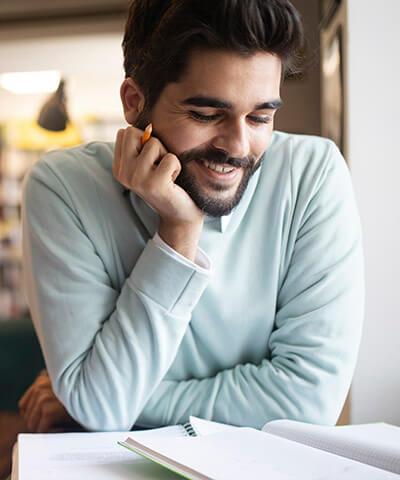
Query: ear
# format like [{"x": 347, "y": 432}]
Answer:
[{"x": 132, "y": 100}]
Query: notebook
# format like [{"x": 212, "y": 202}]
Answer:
[
  {"x": 225, "y": 454},
  {"x": 87, "y": 455},
  {"x": 283, "y": 450}
]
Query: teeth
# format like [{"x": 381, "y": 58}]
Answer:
[{"x": 217, "y": 168}]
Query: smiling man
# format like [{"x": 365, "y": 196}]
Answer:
[{"x": 215, "y": 270}]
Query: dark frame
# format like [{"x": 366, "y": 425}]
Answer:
[{"x": 334, "y": 76}]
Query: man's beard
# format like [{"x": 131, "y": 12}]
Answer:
[{"x": 208, "y": 203}]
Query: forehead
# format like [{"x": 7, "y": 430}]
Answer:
[{"x": 236, "y": 78}]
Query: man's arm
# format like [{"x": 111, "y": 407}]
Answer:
[
  {"x": 106, "y": 350},
  {"x": 314, "y": 346}
]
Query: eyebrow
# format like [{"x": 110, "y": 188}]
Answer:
[{"x": 202, "y": 101}]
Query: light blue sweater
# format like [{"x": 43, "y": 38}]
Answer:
[{"x": 131, "y": 335}]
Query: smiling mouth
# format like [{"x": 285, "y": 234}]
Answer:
[
  {"x": 222, "y": 174},
  {"x": 217, "y": 167}
]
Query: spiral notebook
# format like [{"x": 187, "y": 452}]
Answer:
[
  {"x": 202, "y": 450},
  {"x": 284, "y": 450}
]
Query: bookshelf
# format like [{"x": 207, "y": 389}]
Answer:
[
  {"x": 14, "y": 164},
  {"x": 21, "y": 144}
]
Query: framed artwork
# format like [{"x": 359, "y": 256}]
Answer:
[
  {"x": 333, "y": 51},
  {"x": 333, "y": 76},
  {"x": 328, "y": 9}
]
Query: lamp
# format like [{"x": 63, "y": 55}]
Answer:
[{"x": 53, "y": 115}]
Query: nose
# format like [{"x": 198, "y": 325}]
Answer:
[{"x": 233, "y": 138}]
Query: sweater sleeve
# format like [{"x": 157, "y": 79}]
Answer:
[
  {"x": 314, "y": 345},
  {"x": 106, "y": 350}
]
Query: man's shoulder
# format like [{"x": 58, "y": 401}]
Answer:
[
  {"x": 303, "y": 149},
  {"x": 303, "y": 159},
  {"x": 84, "y": 161},
  {"x": 78, "y": 168}
]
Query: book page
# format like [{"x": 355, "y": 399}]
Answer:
[
  {"x": 77, "y": 456},
  {"x": 374, "y": 444},
  {"x": 248, "y": 453},
  {"x": 207, "y": 427}
]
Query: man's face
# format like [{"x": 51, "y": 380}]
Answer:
[{"x": 218, "y": 120}]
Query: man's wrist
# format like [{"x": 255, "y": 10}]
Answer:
[{"x": 183, "y": 238}]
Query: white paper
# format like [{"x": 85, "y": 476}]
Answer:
[
  {"x": 88, "y": 456},
  {"x": 376, "y": 444},
  {"x": 248, "y": 453},
  {"x": 206, "y": 427}
]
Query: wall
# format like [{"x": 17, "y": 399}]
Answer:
[
  {"x": 91, "y": 64},
  {"x": 374, "y": 108},
  {"x": 301, "y": 110}
]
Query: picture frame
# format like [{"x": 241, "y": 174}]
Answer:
[{"x": 334, "y": 75}]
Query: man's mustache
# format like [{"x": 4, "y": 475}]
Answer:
[
  {"x": 216, "y": 156},
  {"x": 210, "y": 154}
]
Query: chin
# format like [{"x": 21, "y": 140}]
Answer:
[
  {"x": 215, "y": 195},
  {"x": 214, "y": 204}
]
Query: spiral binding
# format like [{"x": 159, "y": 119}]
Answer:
[{"x": 189, "y": 430}]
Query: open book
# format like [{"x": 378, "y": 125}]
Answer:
[
  {"x": 218, "y": 451},
  {"x": 283, "y": 450}
]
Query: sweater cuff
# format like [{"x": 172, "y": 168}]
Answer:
[
  {"x": 175, "y": 285},
  {"x": 201, "y": 262}
]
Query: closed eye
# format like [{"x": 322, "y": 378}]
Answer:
[
  {"x": 257, "y": 119},
  {"x": 204, "y": 118},
  {"x": 211, "y": 118}
]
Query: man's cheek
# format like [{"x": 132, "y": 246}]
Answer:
[
  {"x": 174, "y": 136},
  {"x": 188, "y": 139}
]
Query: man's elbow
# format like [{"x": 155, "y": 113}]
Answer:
[{"x": 95, "y": 412}]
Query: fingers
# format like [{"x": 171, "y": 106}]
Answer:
[
  {"x": 150, "y": 171},
  {"x": 40, "y": 385},
  {"x": 45, "y": 423},
  {"x": 151, "y": 154},
  {"x": 134, "y": 161},
  {"x": 169, "y": 167},
  {"x": 116, "y": 166},
  {"x": 38, "y": 409},
  {"x": 131, "y": 143},
  {"x": 146, "y": 163},
  {"x": 23, "y": 402},
  {"x": 127, "y": 147},
  {"x": 26, "y": 399},
  {"x": 154, "y": 187},
  {"x": 53, "y": 414}
]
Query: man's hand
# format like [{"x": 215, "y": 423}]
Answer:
[
  {"x": 41, "y": 409},
  {"x": 150, "y": 171}
]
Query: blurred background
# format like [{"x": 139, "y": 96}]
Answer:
[{"x": 60, "y": 72}]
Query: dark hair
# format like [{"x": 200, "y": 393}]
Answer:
[{"x": 160, "y": 34}]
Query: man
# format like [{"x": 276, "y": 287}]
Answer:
[{"x": 215, "y": 270}]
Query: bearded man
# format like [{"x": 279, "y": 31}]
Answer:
[{"x": 214, "y": 270}]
